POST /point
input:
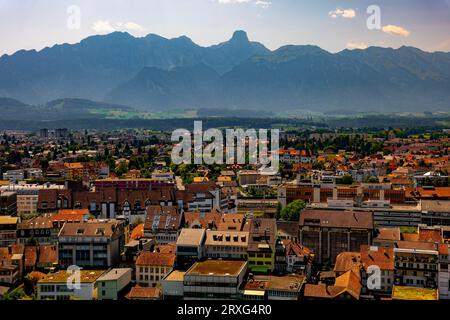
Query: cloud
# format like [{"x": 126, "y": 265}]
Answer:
[
  {"x": 343, "y": 13},
  {"x": 396, "y": 30},
  {"x": 260, "y": 3},
  {"x": 133, "y": 26},
  {"x": 356, "y": 45},
  {"x": 104, "y": 26},
  {"x": 263, "y": 4}
]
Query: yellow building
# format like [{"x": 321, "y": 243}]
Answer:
[{"x": 261, "y": 245}]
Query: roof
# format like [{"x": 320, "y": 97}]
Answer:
[
  {"x": 348, "y": 283},
  {"x": 430, "y": 235},
  {"x": 139, "y": 293},
  {"x": 166, "y": 248},
  {"x": 346, "y": 261},
  {"x": 262, "y": 232},
  {"x": 286, "y": 283},
  {"x": 337, "y": 219},
  {"x": 40, "y": 222},
  {"x": 68, "y": 217},
  {"x": 416, "y": 245},
  {"x": 48, "y": 254},
  {"x": 390, "y": 234},
  {"x": 8, "y": 220},
  {"x": 226, "y": 238},
  {"x": 379, "y": 256},
  {"x": 443, "y": 249},
  {"x": 115, "y": 274},
  {"x": 217, "y": 268},
  {"x": 231, "y": 221},
  {"x": 86, "y": 276},
  {"x": 294, "y": 248},
  {"x": 31, "y": 256},
  {"x": 138, "y": 232},
  {"x": 74, "y": 211},
  {"x": 155, "y": 259},
  {"x": 89, "y": 229},
  {"x": 191, "y": 237},
  {"x": 435, "y": 205},
  {"x": 289, "y": 228},
  {"x": 414, "y": 293},
  {"x": 162, "y": 218},
  {"x": 175, "y": 275},
  {"x": 203, "y": 220}
]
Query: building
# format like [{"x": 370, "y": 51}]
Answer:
[
  {"x": 444, "y": 271},
  {"x": 374, "y": 259},
  {"x": 416, "y": 264},
  {"x": 38, "y": 230},
  {"x": 330, "y": 232},
  {"x": 214, "y": 280},
  {"x": 96, "y": 244},
  {"x": 131, "y": 184},
  {"x": 152, "y": 267},
  {"x": 172, "y": 285},
  {"x": 54, "y": 286},
  {"x": 246, "y": 177},
  {"x": 273, "y": 287},
  {"x": 14, "y": 176},
  {"x": 11, "y": 266},
  {"x": 347, "y": 287},
  {"x": 262, "y": 245},
  {"x": 190, "y": 246},
  {"x": 163, "y": 223},
  {"x": 435, "y": 212},
  {"x": 202, "y": 197},
  {"x": 297, "y": 257},
  {"x": 8, "y": 230},
  {"x": 8, "y": 203},
  {"x": 227, "y": 245},
  {"x": 112, "y": 284}
]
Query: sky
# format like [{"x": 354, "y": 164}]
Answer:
[{"x": 331, "y": 24}]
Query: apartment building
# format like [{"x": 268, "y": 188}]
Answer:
[
  {"x": 40, "y": 230},
  {"x": 162, "y": 223},
  {"x": 226, "y": 245},
  {"x": 152, "y": 267},
  {"x": 330, "y": 232},
  {"x": 96, "y": 244},
  {"x": 416, "y": 264}
]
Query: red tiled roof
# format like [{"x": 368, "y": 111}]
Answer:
[
  {"x": 138, "y": 293},
  {"x": 155, "y": 259}
]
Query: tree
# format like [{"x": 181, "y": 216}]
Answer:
[
  {"x": 292, "y": 211},
  {"x": 347, "y": 179}
]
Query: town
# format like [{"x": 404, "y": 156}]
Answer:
[{"x": 351, "y": 214}]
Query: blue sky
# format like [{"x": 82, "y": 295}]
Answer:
[{"x": 333, "y": 25}]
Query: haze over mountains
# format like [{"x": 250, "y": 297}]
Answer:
[{"x": 154, "y": 73}]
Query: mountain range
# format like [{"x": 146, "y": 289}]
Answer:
[{"x": 154, "y": 73}]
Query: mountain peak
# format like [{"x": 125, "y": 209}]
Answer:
[{"x": 239, "y": 36}]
